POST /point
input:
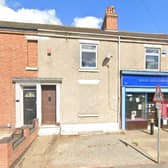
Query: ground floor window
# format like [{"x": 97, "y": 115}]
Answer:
[
  {"x": 140, "y": 106},
  {"x": 135, "y": 106}
]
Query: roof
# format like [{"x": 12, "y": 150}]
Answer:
[{"x": 16, "y": 26}]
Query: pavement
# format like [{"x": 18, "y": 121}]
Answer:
[{"x": 97, "y": 150}]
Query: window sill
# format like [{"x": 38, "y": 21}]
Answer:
[
  {"x": 152, "y": 70},
  {"x": 136, "y": 119},
  {"x": 88, "y": 70},
  {"x": 31, "y": 69},
  {"x": 87, "y": 115}
]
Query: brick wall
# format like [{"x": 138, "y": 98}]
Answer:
[
  {"x": 4, "y": 155},
  {"x": 110, "y": 20},
  {"x": 32, "y": 54},
  {"x": 16, "y": 53},
  {"x": 8, "y": 155}
]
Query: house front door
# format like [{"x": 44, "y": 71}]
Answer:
[
  {"x": 29, "y": 104},
  {"x": 49, "y": 104}
]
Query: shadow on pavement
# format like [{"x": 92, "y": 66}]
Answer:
[{"x": 138, "y": 150}]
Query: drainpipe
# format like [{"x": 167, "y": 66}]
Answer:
[{"x": 118, "y": 84}]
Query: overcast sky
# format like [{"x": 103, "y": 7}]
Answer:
[{"x": 134, "y": 15}]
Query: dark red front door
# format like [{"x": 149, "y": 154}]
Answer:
[{"x": 49, "y": 104}]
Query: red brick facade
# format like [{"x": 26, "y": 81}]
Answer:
[
  {"x": 16, "y": 53},
  {"x": 8, "y": 154}
]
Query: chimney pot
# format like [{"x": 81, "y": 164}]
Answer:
[{"x": 110, "y": 19}]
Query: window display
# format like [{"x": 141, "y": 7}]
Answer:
[
  {"x": 140, "y": 106},
  {"x": 135, "y": 106}
]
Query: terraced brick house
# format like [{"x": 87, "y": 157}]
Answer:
[{"x": 79, "y": 79}]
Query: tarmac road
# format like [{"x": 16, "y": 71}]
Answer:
[{"x": 96, "y": 151}]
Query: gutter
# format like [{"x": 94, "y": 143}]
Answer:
[
  {"x": 74, "y": 34},
  {"x": 118, "y": 83}
]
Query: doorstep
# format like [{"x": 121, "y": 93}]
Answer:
[{"x": 49, "y": 130}]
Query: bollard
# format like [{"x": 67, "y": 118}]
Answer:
[{"x": 151, "y": 126}]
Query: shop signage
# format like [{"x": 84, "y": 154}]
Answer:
[{"x": 146, "y": 81}]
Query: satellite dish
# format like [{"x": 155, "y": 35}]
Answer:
[{"x": 106, "y": 60}]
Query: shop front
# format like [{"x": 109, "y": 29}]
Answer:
[{"x": 138, "y": 88}]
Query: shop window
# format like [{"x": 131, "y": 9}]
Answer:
[
  {"x": 164, "y": 113},
  {"x": 140, "y": 107},
  {"x": 135, "y": 107},
  {"x": 152, "y": 58},
  {"x": 88, "y": 56}
]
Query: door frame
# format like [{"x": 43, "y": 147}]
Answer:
[
  {"x": 19, "y": 102},
  {"x": 32, "y": 88},
  {"x": 19, "y": 106}
]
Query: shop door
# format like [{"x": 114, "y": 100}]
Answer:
[
  {"x": 49, "y": 104},
  {"x": 29, "y": 104}
]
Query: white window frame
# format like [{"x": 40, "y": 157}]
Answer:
[
  {"x": 87, "y": 50},
  {"x": 152, "y": 54}
]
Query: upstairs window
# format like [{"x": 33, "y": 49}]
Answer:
[
  {"x": 152, "y": 58},
  {"x": 88, "y": 56}
]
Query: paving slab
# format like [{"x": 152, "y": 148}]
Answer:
[
  {"x": 95, "y": 151},
  {"x": 148, "y": 143}
]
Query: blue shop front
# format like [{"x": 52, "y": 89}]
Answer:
[{"x": 138, "y": 88}]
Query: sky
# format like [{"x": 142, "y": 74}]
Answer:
[{"x": 149, "y": 16}]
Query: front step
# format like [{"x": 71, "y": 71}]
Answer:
[{"x": 49, "y": 130}]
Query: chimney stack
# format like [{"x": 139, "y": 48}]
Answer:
[{"x": 110, "y": 19}]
